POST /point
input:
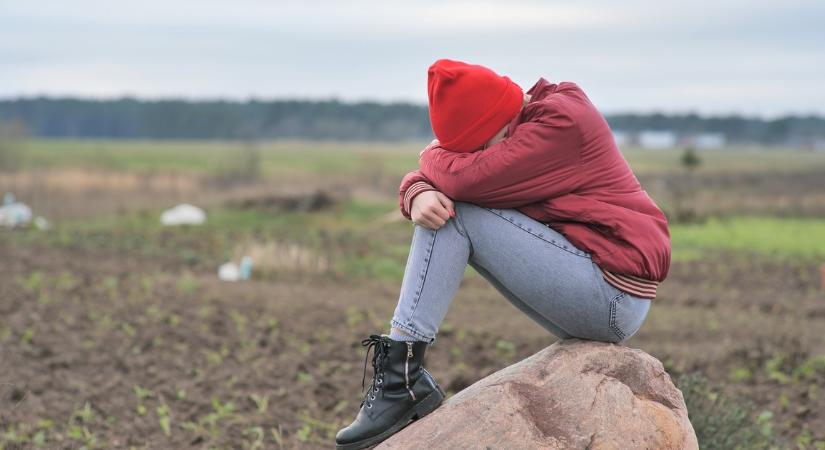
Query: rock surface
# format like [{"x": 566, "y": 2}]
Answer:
[{"x": 574, "y": 394}]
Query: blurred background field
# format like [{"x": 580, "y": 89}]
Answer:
[
  {"x": 291, "y": 124},
  {"x": 117, "y": 332}
]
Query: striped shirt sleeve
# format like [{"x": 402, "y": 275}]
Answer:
[{"x": 414, "y": 189}]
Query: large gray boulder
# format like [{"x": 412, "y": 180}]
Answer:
[{"x": 574, "y": 394}]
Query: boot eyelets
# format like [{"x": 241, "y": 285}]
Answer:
[{"x": 401, "y": 369}]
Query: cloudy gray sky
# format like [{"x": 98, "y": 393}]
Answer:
[{"x": 757, "y": 57}]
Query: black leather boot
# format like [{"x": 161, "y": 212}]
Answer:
[{"x": 401, "y": 391}]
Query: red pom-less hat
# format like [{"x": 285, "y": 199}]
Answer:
[{"x": 469, "y": 103}]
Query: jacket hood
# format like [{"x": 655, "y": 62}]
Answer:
[{"x": 541, "y": 89}]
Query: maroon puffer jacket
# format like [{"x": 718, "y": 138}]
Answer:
[{"x": 560, "y": 165}]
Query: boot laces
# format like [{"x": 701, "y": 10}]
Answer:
[{"x": 379, "y": 346}]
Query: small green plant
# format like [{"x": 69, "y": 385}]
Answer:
[
  {"x": 84, "y": 414},
  {"x": 77, "y": 427},
  {"x": 66, "y": 281},
  {"x": 278, "y": 436},
  {"x": 33, "y": 283},
  {"x": 209, "y": 424},
  {"x": 187, "y": 285},
  {"x": 506, "y": 348},
  {"x": 261, "y": 402},
  {"x": 164, "y": 419},
  {"x": 809, "y": 368},
  {"x": 83, "y": 434},
  {"x": 27, "y": 337},
  {"x": 774, "y": 369},
  {"x": 721, "y": 422},
  {"x": 141, "y": 395},
  {"x": 461, "y": 335},
  {"x": 39, "y": 438},
  {"x": 340, "y": 406},
  {"x": 313, "y": 428},
  {"x": 257, "y": 434},
  {"x": 127, "y": 328},
  {"x": 216, "y": 358},
  {"x": 456, "y": 352},
  {"x": 304, "y": 377},
  {"x": 740, "y": 374},
  {"x": 240, "y": 321},
  {"x": 147, "y": 284},
  {"x": 111, "y": 285}
]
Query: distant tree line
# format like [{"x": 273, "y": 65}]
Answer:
[
  {"x": 788, "y": 130},
  {"x": 332, "y": 119},
  {"x": 164, "y": 119}
]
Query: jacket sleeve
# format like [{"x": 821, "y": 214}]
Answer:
[
  {"x": 412, "y": 184},
  {"x": 539, "y": 161}
]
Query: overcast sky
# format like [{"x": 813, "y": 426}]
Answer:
[{"x": 756, "y": 57}]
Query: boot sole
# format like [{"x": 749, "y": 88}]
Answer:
[{"x": 424, "y": 407}]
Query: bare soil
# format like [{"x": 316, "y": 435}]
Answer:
[{"x": 102, "y": 349}]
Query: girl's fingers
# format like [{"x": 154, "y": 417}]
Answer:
[
  {"x": 425, "y": 222},
  {"x": 446, "y": 202},
  {"x": 440, "y": 212},
  {"x": 436, "y": 220}
]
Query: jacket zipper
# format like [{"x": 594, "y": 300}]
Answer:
[{"x": 407, "y": 368}]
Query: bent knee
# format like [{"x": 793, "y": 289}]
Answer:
[
  {"x": 464, "y": 207},
  {"x": 467, "y": 212}
]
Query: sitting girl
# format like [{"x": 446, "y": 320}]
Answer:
[{"x": 530, "y": 190}]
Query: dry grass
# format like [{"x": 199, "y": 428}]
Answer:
[
  {"x": 78, "y": 193},
  {"x": 283, "y": 256}
]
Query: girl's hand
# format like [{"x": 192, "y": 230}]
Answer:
[{"x": 431, "y": 209}]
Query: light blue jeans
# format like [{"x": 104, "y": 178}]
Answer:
[{"x": 537, "y": 269}]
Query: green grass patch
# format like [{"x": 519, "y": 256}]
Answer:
[
  {"x": 352, "y": 234},
  {"x": 729, "y": 160},
  {"x": 277, "y": 158},
  {"x": 283, "y": 157},
  {"x": 765, "y": 236}
]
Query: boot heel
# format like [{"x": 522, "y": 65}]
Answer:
[
  {"x": 436, "y": 384},
  {"x": 429, "y": 404}
]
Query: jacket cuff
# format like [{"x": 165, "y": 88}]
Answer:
[{"x": 414, "y": 189}]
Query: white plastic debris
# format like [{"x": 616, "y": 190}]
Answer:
[
  {"x": 14, "y": 213},
  {"x": 229, "y": 272},
  {"x": 183, "y": 214},
  {"x": 245, "y": 270}
]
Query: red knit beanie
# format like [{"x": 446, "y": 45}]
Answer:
[{"x": 469, "y": 103}]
